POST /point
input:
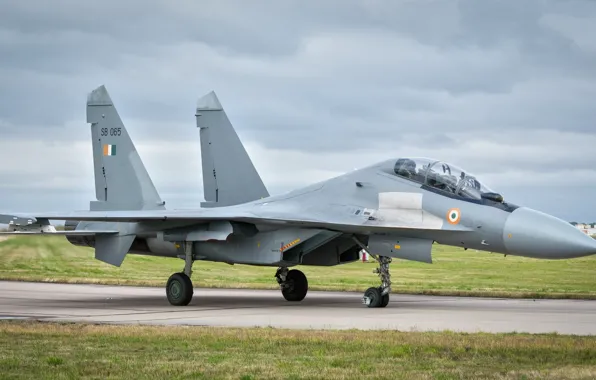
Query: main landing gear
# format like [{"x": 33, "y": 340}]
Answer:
[
  {"x": 179, "y": 288},
  {"x": 293, "y": 284},
  {"x": 379, "y": 297}
]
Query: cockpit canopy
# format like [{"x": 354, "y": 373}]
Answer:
[{"x": 442, "y": 176}]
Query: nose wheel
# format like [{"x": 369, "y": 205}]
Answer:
[{"x": 374, "y": 297}]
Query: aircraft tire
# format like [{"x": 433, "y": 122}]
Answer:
[
  {"x": 179, "y": 289},
  {"x": 384, "y": 299},
  {"x": 297, "y": 286},
  {"x": 374, "y": 294}
]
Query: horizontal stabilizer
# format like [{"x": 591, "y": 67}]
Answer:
[{"x": 112, "y": 249}]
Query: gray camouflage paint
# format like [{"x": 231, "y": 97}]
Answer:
[
  {"x": 229, "y": 176},
  {"x": 320, "y": 224}
]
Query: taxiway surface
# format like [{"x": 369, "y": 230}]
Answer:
[{"x": 320, "y": 310}]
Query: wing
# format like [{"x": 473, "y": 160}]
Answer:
[
  {"x": 61, "y": 233},
  {"x": 27, "y": 225},
  {"x": 112, "y": 246},
  {"x": 288, "y": 218}
]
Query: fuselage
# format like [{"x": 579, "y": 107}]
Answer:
[{"x": 434, "y": 201}]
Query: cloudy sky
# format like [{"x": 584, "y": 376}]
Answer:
[{"x": 504, "y": 89}]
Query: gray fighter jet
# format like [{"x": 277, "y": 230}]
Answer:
[{"x": 392, "y": 209}]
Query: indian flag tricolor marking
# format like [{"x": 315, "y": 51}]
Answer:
[
  {"x": 109, "y": 150},
  {"x": 453, "y": 216}
]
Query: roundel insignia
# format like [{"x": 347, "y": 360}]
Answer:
[{"x": 453, "y": 216}]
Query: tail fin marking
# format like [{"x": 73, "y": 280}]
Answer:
[{"x": 121, "y": 180}]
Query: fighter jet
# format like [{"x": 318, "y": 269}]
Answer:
[{"x": 396, "y": 208}]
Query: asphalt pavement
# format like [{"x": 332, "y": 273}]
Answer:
[{"x": 319, "y": 310}]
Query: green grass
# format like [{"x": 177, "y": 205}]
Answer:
[
  {"x": 33, "y": 350},
  {"x": 454, "y": 272}
]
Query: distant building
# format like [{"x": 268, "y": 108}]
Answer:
[{"x": 586, "y": 228}]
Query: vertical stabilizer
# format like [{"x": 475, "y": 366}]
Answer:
[
  {"x": 229, "y": 176},
  {"x": 121, "y": 180}
]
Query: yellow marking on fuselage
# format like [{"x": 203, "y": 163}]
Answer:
[{"x": 289, "y": 245}]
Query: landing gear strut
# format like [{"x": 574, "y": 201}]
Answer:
[
  {"x": 379, "y": 297},
  {"x": 293, "y": 283},
  {"x": 179, "y": 289}
]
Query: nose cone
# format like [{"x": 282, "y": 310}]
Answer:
[{"x": 532, "y": 233}]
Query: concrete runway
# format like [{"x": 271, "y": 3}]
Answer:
[{"x": 320, "y": 310}]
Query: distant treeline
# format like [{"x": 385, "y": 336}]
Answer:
[{"x": 592, "y": 225}]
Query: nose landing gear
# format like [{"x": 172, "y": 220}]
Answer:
[{"x": 379, "y": 296}]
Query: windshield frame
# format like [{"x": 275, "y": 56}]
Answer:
[{"x": 441, "y": 177}]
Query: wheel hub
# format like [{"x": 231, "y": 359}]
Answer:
[
  {"x": 175, "y": 290},
  {"x": 289, "y": 286}
]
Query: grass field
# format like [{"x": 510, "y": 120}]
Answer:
[
  {"x": 40, "y": 350},
  {"x": 454, "y": 272}
]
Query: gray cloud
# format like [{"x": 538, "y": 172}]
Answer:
[{"x": 504, "y": 89}]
